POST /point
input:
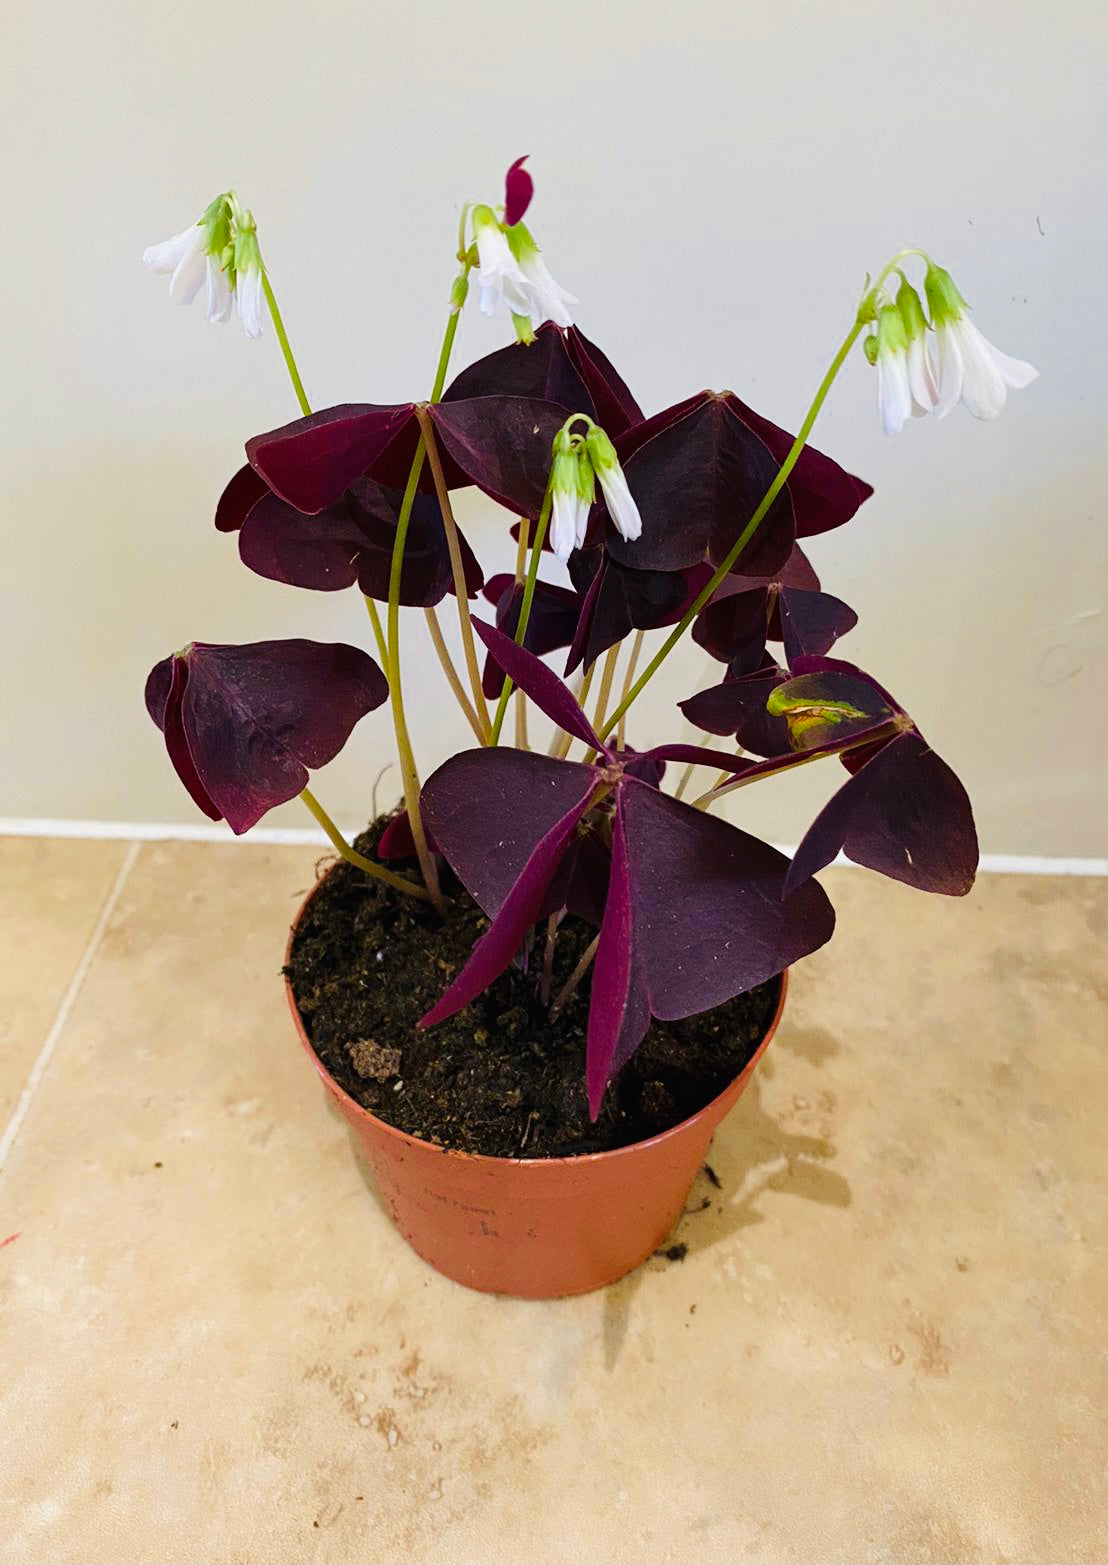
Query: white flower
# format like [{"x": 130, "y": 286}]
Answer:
[
  {"x": 966, "y": 366},
  {"x": 572, "y": 492},
  {"x": 249, "y": 273},
  {"x": 613, "y": 484},
  {"x": 499, "y": 273},
  {"x": 549, "y": 302},
  {"x": 921, "y": 382},
  {"x": 222, "y": 248},
  {"x": 186, "y": 257}
]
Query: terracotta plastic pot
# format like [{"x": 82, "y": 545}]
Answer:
[{"x": 537, "y": 1228}]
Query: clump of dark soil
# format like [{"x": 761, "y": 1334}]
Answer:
[{"x": 499, "y": 1078}]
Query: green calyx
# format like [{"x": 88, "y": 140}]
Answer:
[
  {"x": 943, "y": 298},
  {"x": 248, "y": 257},
  {"x": 891, "y": 334},
  {"x": 520, "y": 242},
  {"x": 483, "y": 217},
  {"x": 218, "y": 224},
  {"x": 602, "y": 453},
  {"x": 525, "y": 331},
  {"x": 565, "y": 468},
  {"x": 909, "y": 304}
]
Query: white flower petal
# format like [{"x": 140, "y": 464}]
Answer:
[
  {"x": 1016, "y": 373},
  {"x": 621, "y": 505},
  {"x": 551, "y": 300},
  {"x": 948, "y": 369},
  {"x": 920, "y": 379},
  {"x": 581, "y": 524},
  {"x": 983, "y": 388},
  {"x": 248, "y": 294},
  {"x": 220, "y": 297},
  {"x": 563, "y": 524},
  {"x": 894, "y": 395},
  {"x": 167, "y": 256},
  {"x": 189, "y": 276}
]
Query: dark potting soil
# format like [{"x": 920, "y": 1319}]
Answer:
[{"x": 499, "y": 1078}]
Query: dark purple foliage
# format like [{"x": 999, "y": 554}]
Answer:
[
  {"x": 519, "y": 187},
  {"x": 617, "y": 599},
  {"x": 550, "y": 625},
  {"x": 243, "y": 724},
  {"x": 694, "y": 907},
  {"x": 744, "y": 614},
  {"x": 562, "y": 367},
  {"x": 698, "y": 471},
  {"x": 738, "y": 707},
  {"x": 352, "y": 541}
]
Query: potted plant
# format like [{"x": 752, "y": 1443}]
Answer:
[{"x": 536, "y": 989}]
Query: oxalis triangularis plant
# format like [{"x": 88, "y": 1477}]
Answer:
[{"x": 689, "y": 519}]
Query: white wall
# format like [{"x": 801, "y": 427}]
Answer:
[{"x": 713, "y": 181}]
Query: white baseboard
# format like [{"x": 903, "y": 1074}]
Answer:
[{"x": 282, "y": 836}]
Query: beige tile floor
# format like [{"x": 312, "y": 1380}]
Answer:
[{"x": 886, "y": 1343}]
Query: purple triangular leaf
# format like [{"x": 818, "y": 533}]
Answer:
[
  {"x": 550, "y": 626},
  {"x": 617, "y": 599},
  {"x": 521, "y": 907},
  {"x": 580, "y": 885},
  {"x": 164, "y": 691},
  {"x": 824, "y": 495},
  {"x": 708, "y": 917},
  {"x": 616, "y": 408},
  {"x": 543, "y": 686},
  {"x": 811, "y": 622},
  {"x": 699, "y": 755},
  {"x": 239, "y": 498},
  {"x": 283, "y": 544},
  {"x": 733, "y": 628},
  {"x": 738, "y": 706},
  {"x": 619, "y": 1008},
  {"x": 246, "y": 722},
  {"x": 903, "y": 813},
  {"x": 312, "y": 460},
  {"x": 697, "y": 473},
  {"x": 503, "y": 445},
  {"x": 488, "y": 808},
  {"x": 541, "y": 370}
]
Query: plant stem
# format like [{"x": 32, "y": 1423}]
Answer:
[
  {"x": 521, "y": 721},
  {"x": 453, "y": 679},
  {"x": 574, "y": 978},
  {"x": 282, "y": 338},
  {"x": 632, "y": 664},
  {"x": 378, "y": 871},
  {"x": 457, "y": 566},
  {"x": 559, "y": 745},
  {"x": 524, "y": 609},
  {"x": 608, "y": 674},
  {"x": 547, "y": 978},
  {"x": 747, "y": 533},
  {"x": 378, "y": 633},
  {"x": 408, "y": 771}
]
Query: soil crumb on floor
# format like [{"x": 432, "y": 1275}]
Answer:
[{"x": 499, "y": 1078}]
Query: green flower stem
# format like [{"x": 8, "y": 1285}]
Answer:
[
  {"x": 378, "y": 871},
  {"x": 378, "y": 632},
  {"x": 452, "y": 679},
  {"x": 408, "y": 770},
  {"x": 524, "y": 608},
  {"x": 747, "y": 533},
  {"x": 457, "y": 566},
  {"x": 632, "y": 665},
  {"x": 559, "y": 745},
  {"x": 282, "y": 338}
]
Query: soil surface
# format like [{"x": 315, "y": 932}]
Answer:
[{"x": 499, "y": 1078}]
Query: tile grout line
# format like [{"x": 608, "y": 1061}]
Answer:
[{"x": 57, "y": 1026}]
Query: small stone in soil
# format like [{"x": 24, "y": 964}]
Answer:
[
  {"x": 372, "y": 1060},
  {"x": 676, "y": 1252}
]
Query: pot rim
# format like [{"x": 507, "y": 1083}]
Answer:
[{"x": 483, "y": 1158}]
